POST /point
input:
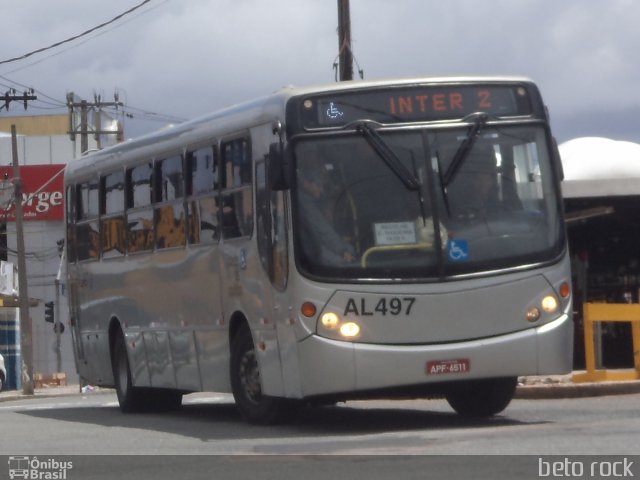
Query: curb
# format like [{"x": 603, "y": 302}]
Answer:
[
  {"x": 576, "y": 390},
  {"x": 543, "y": 389},
  {"x": 68, "y": 391}
]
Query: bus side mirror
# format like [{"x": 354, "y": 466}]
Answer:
[{"x": 278, "y": 167}]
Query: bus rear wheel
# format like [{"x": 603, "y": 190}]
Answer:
[
  {"x": 482, "y": 398},
  {"x": 130, "y": 398},
  {"x": 253, "y": 406},
  {"x": 138, "y": 399}
]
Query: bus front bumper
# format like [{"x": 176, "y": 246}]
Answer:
[{"x": 332, "y": 367}]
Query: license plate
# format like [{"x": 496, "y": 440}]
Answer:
[{"x": 442, "y": 367}]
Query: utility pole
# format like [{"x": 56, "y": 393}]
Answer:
[
  {"x": 83, "y": 129},
  {"x": 26, "y": 345},
  {"x": 344, "y": 41},
  {"x": 11, "y": 96}
]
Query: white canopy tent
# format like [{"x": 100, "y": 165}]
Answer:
[{"x": 600, "y": 167}]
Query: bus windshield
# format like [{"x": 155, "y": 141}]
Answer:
[{"x": 357, "y": 217}]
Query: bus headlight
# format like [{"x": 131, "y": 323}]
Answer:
[
  {"x": 549, "y": 304},
  {"x": 533, "y": 314},
  {"x": 330, "y": 320},
  {"x": 349, "y": 329}
]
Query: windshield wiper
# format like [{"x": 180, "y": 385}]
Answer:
[
  {"x": 479, "y": 119},
  {"x": 389, "y": 157}
]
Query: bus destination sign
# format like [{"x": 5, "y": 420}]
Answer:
[{"x": 415, "y": 104}]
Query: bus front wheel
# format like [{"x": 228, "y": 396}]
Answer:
[
  {"x": 254, "y": 407},
  {"x": 482, "y": 398}
]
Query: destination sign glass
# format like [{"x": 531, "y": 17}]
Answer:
[{"x": 414, "y": 104}]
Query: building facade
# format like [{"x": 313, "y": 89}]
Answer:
[{"x": 44, "y": 147}]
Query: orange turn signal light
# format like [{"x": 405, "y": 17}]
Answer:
[{"x": 308, "y": 309}]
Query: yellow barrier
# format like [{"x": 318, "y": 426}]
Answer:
[{"x": 609, "y": 312}]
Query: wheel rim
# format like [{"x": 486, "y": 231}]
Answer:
[{"x": 249, "y": 375}]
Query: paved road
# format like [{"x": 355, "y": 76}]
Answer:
[{"x": 368, "y": 436}]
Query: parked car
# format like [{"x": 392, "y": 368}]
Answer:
[{"x": 3, "y": 372}]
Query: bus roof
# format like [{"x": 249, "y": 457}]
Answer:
[{"x": 241, "y": 116}]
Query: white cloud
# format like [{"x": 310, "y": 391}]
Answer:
[{"x": 185, "y": 58}]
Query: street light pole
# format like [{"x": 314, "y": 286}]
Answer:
[{"x": 26, "y": 345}]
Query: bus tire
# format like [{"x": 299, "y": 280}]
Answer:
[
  {"x": 253, "y": 406},
  {"x": 131, "y": 399},
  {"x": 482, "y": 398}
]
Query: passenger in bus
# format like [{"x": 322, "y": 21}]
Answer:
[{"x": 319, "y": 236}]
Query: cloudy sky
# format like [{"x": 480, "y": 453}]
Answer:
[{"x": 184, "y": 58}]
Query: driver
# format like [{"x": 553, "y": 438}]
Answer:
[
  {"x": 319, "y": 236},
  {"x": 475, "y": 187}
]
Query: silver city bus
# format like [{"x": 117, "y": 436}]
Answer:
[{"x": 354, "y": 240}]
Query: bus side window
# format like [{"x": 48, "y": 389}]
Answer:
[
  {"x": 202, "y": 184},
  {"x": 87, "y": 209},
  {"x": 279, "y": 250},
  {"x": 87, "y": 197},
  {"x": 271, "y": 230},
  {"x": 202, "y": 167},
  {"x": 138, "y": 192},
  {"x": 169, "y": 217},
  {"x": 237, "y": 163},
  {"x": 169, "y": 179},
  {"x": 237, "y": 201},
  {"x": 112, "y": 220}
]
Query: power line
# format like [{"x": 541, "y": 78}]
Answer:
[
  {"x": 39, "y": 92},
  {"x": 75, "y": 37},
  {"x": 133, "y": 112},
  {"x": 79, "y": 44}
]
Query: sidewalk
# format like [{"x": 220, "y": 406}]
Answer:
[
  {"x": 561, "y": 386},
  {"x": 543, "y": 387}
]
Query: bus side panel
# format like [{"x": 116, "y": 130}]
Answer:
[
  {"x": 137, "y": 359},
  {"x": 247, "y": 291},
  {"x": 95, "y": 369},
  {"x": 289, "y": 358},
  {"x": 212, "y": 346},
  {"x": 185, "y": 360},
  {"x": 91, "y": 327},
  {"x": 159, "y": 360}
]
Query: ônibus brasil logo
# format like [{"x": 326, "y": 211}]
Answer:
[{"x": 32, "y": 468}]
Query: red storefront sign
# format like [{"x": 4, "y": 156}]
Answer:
[{"x": 42, "y": 192}]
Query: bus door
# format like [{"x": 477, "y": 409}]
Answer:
[{"x": 76, "y": 247}]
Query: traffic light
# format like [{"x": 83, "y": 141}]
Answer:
[{"x": 48, "y": 312}]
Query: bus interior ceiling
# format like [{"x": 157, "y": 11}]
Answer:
[{"x": 604, "y": 241}]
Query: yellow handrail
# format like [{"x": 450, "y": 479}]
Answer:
[{"x": 390, "y": 248}]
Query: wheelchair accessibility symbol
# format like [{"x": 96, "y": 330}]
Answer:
[
  {"x": 333, "y": 112},
  {"x": 458, "y": 250}
]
